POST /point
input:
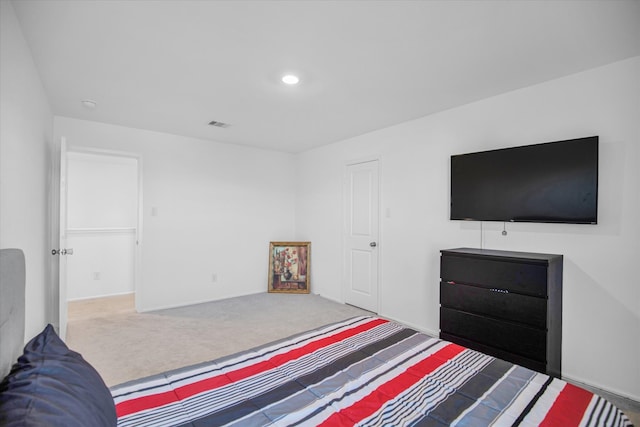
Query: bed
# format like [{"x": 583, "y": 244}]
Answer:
[{"x": 360, "y": 371}]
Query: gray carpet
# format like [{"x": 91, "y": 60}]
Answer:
[{"x": 124, "y": 345}]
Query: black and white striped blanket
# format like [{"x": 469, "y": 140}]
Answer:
[{"x": 363, "y": 371}]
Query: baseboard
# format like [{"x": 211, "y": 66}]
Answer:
[
  {"x": 329, "y": 298},
  {"x": 582, "y": 382},
  {"x": 434, "y": 334},
  {"x": 185, "y": 304},
  {"x": 101, "y": 296},
  {"x": 404, "y": 322}
]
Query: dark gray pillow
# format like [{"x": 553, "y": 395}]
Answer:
[{"x": 51, "y": 385}]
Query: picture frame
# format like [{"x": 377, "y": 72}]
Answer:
[{"x": 289, "y": 267}]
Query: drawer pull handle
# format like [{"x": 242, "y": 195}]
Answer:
[{"x": 502, "y": 291}]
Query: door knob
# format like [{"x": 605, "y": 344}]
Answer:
[
  {"x": 62, "y": 251},
  {"x": 373, "y": 244}
]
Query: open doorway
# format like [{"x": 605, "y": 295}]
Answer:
[{"x": 102, "y": 229}]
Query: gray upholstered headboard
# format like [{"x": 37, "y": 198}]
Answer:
[{"x": 12, "y": 307}]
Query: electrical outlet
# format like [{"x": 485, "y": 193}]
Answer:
[
  {"x": 96, "y": 275},
  {"x": 214, "y": 278}
]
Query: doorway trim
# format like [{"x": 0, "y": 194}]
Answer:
[{"x": 54, "y": 294}]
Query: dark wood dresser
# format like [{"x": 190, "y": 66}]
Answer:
[{"x": 502, "y": 303}]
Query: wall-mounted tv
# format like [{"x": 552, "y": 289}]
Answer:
[{"x": 550, "y": 182}]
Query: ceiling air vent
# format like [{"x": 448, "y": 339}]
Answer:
[{"x": 218, "y": 124}]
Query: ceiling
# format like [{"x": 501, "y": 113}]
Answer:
[{"x": 174, "y": 66}]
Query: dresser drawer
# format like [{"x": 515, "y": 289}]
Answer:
[
  {"x": 514, "y": 338},
  {"x": 519, "y": 277},
  {"x": 514, "y": 307},
  {"x": 536, "y": 365}
]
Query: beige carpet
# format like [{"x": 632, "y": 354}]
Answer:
[{"x": 124, "y": 345}]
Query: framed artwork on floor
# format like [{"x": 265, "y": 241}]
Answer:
[{"x": 289, "y": 267}]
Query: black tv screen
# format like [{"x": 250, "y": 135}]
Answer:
[{"x": 550, "y": 182}]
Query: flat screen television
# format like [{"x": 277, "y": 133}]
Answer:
[{"x": 550, "y": 182}]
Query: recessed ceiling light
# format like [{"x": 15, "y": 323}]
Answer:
[
  {"x": 290, "y": 79},
  {"x": 89, "y": 104}
]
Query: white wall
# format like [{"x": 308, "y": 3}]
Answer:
[
  {"x": 102, "y": 219},
  {"x": 601, "y": 310},
  {"x": 26, "y": 126},
  {"x": 217, "y": 208},
  {"x": 102, "y": 191},
  {"x": 103, "y": 263}
]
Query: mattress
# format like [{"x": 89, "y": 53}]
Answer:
[{"x": 365, "y": 371}]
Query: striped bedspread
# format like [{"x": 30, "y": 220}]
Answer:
[{"x": 362, "y": 371}]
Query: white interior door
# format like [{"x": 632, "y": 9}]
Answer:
[
  {"x": 361, "y": 235},
  {"x": 62, "y": 243}
]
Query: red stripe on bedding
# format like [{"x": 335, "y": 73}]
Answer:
[
  {"x": 371, "y": 403},
  {"x": 568, "y": 408},
  {"x": 143, "y": 403},
  {"x": 129, "y": 407}
]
